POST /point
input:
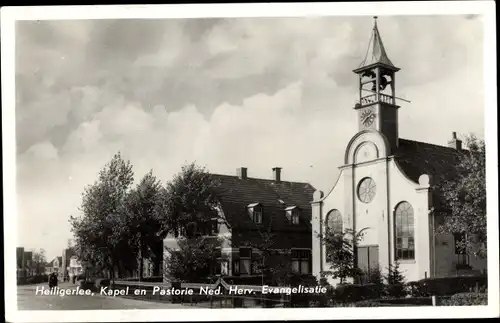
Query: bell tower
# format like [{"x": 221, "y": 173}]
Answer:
[{"x": 377, "y": 108}]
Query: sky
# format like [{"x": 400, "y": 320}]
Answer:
[{"x": 226, "y": 93}]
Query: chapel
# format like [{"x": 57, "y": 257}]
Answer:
[{"x": 388, "y": 186}]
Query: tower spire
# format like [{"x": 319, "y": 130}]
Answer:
[
  {"x": 377, "y": 107},
  {"x": 376, "y": 53}
]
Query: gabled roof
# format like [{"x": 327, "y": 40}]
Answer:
[
  {"x": 418, "y": 158},
  {"x": 236, "y": 194},
  {"x": 376, "y": 53}
]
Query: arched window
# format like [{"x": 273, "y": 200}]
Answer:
[
  {"x": 334, "y": 221},
  {"x": 405, "y": 233}
]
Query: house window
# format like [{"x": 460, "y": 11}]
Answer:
[
  {"x": 224, "y": 268},
  {"x": 214, "y": 227},
  {"x": 334, "y": 222},
  {"x": 292, "y": 214},
  {"x": 301, "y": 260},
  {"x": 257, "y": 215},
  {"x": 181, "y": 231},
  {"x": 236, "y": 267},
  {"x": 255, "y": 212},
  {"x": 245, "y": 267},
  {"x": 404, "y": 235},
  {"x": 460, "y": 251}
]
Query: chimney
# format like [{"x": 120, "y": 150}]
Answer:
[
  {"x": 277, "y": 174},
  {"x": 454, "y": 142},
  {"x": 241, "y": 172}
]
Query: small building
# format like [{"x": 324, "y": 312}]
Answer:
[{"x": 54, "y": 266}]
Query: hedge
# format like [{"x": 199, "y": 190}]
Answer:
[
  {"x": 446, "y": 286},
  {"x": 102, "y": 282},
  {"x": 152, "y": 279},
  {"x": 369, "y": 303},
  {"x": 407, "y": 301},
  {"x": 32, "y": 280},
  {"x": 351, "y": 293},
  {"x": 467, "y": 299}
]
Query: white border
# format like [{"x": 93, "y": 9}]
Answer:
[{"x": 10, "y": 14}]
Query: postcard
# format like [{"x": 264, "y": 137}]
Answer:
[{"x": 250, "y": 161}]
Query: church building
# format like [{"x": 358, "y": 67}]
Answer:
[{"x": 388, "y": 186}]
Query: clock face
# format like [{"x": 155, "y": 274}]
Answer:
[
  {"x": 366, "y": 190},
  {"x": 367, "y": 117}
]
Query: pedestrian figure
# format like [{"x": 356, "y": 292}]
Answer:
[{"x": 52, "y": 280}]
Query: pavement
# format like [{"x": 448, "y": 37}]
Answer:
[{"x": 28, "y": 300}]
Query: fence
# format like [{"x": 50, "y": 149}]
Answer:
[{"x": 215, "y": 295}]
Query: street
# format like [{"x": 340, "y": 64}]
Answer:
[{"x": 27, "y": 300}]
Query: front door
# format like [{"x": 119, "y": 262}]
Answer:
[{"x": 367, "y": 261}]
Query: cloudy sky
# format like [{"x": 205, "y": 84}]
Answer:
[{"x": 260, "y": 93}]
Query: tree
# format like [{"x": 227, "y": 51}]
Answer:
[
  {"x": 101, "y": 232},
  {"x": 190, "y": 200},
  {"x": 340, "y": 253},
  {"x": 39, "y": 260},
  {"x": 465, "y": 198},
  {"x": 189, "y": 205},
  {"x": 267, "y": 254},
  {"x": 192, "y": 260},
  {"x": 395, "y": 281},
  {"x": 142, "y": 217}
]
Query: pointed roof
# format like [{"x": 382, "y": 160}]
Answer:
[{"x": 376, "y": 53}]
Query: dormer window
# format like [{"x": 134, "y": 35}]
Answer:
[
  {"x": 255, "y": 212},
  {"x": 292, "y": 214}
]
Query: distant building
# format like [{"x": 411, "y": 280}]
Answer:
[
  {"x": 75, "y": 267},
  {"x": 55, "y": 266},
  {"x": 20, "y": 262},
  {"x": 250, "y": 207}
]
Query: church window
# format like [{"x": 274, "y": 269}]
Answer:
[
  {"x": 366, "y": 190},
  {"x": 405, "y": 233},
  {"x": 334, "y": 222}
]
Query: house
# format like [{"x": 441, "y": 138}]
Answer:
[
  {"x": 20, "y": 262},
  {"x": 389, "y": 185},
  {"x": 54, "y": 266},
  {"x": 74, "y": 267},
  {"x": 250, "y": 207}
]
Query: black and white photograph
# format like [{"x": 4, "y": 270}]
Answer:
[{"x": 250, "y": 161}]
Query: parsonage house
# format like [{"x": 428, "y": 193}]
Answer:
[
  {"x": 249, "y": 209},
  {"x": 389, "y": 186}
]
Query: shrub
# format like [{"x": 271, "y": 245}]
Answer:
[
  {"x": 32, "y": 280},
  {"x": 395, "y": 302},
  {"x": 369, "y": 303},
  {"x": 102, "y": 282},
  {"x": 467, "y": 299},
  {"x": 350, "y": 293},
  {"x": 396, "y": 285},
  {"x": 86, "y": 285},
  {"x": 445, "y": 286},
  {"x": 410, "y": 301},
  {"x": 152, "y": 279}
]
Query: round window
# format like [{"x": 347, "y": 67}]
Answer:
[{"x": 366, "y": 190}]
